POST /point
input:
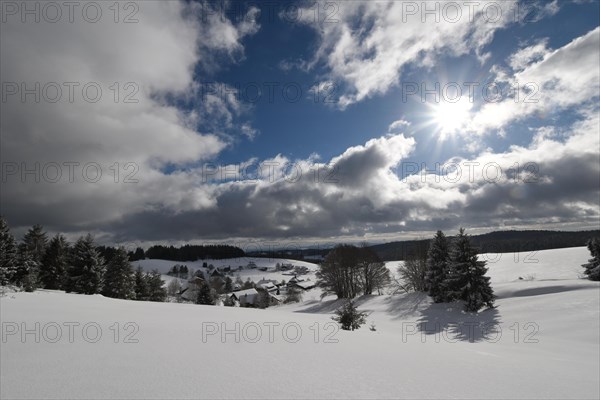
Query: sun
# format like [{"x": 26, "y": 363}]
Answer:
[{"x": 450, "y": 117}]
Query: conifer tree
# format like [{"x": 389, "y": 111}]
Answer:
[
  {"x": 437, "y": 268},
  {"x": 119, "y": 280},
  {"x": 8, "y": 254},
  {"x": 592, "y": 267},
  {"x": 36, "y": 242},
  {"x": 54, "y": 263},
  {"x": 86, "y": 269},
  {"x": 228, "y": 288},
  {"x": 27, "y": 269},
  {"x": 204, "y": 295},
  {"x": 156, "y": 291},
  {"x": 141, "y": 285},
  {"x": 349, "y": 317},
  {"x": 467, "y": 280}
]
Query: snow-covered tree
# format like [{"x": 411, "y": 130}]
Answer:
[
  {"x": 592, "y": 268},
  {"x": 27, "y": 269},
  {"x": 437, "y": 268},
  {"x": 86, "y": 269},
  {"x": 466, "y": 279},
  {"x": 54, "y": 263},
  {"x": 119, "y": 279},
  {"x": 349, "y": 317},
  {"x": 8, "y": 253}
]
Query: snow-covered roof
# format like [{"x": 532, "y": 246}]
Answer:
[
  {"x": 247, "y": 295},
  {"x": 305, "y": 284}
]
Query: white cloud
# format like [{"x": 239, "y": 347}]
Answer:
[
  {"x": 398, "y": 124},
  {"x": 367, "y": 49},
  {"x": 553, "y": 83}
]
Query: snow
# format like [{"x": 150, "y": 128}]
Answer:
[{"x": 542, "y": 341}]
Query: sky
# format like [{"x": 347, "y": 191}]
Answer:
[{"x": 304, "y": 122}]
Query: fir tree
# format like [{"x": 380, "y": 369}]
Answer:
[
  {"x": 27, "y": 269},
  {"x": 437, "y": 268},
  {"x": 592, "y": 268},
  {"x": 156, "y": 290},
  {"x": 141, "y": 285},
  {"x": 204, "y": 295},
  {"x": 8, "y": 254},
  {"x": 349, "y": 317},
  {"x": 36, "y": 242},
  {"x": 467, "y": 280},
  {"x": 86, "y": 270},
  {"x": 119, "y": 280},
  {"x": 54, "y": 263}
]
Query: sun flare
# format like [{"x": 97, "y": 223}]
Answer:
[{"x": 451, "y": 117}]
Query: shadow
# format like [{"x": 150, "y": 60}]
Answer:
[
  {"x": 329, "y": 306},
  {"x": 538, "y": 291},
  {"x": 407, "y": 305},
  {"x": 451, "y": 323}
]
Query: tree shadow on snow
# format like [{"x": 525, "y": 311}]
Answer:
[
  {"x": 329, "y": 306},
  {"x": 450, "y": 323}
]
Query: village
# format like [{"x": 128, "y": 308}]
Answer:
[{"x": 227, "y": 288}]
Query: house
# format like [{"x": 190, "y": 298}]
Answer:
[
  {"x": 304, "y": 284},
  {"x": 268, "y": 285},
  {"x": 251, "y": 265},
  {"x": 275, "y": 299},
  {"x": 296, "y": 279},
  {"x": 246, "y": 298},
  {"x": 216, "y": 273}
]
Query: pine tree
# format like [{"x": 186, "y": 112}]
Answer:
[
  {"x": 36, "y": 242},
  {"x": 349, "y": 317},
  {"x": 8, "y": 254},
  {"x": 86, "y": 270},
  {"x": 467, "y": 280},
  {"x": 54, "y": 263},
  {"x": 141, "y": 285},
  {"x": 156, "y": 289},
  {"x": 437, "y": 268},
  {"x": 204, "y": 295},
  {"x": 592, "y": 267},
  {"x": 119, "y": 280}
]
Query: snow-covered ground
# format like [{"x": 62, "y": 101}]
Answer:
[{"x": 542, "y": 341}]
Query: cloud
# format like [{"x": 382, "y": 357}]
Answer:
[
  {"x": 547, "y": 81},
  {"x": 119, "y": 123},
  {"x": 370, "y": 43},
  {"x": 398, "y": 124},
  {"x": 527, "y": 55}
]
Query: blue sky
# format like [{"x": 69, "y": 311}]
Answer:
[
  {"x": 199, "y": 161},
  {"x": 307, "y": 126}
]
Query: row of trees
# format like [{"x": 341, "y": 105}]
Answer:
[
  {"x": 37, "y": 262},
  {"x": 349, "y": 271},
  {"x": 194, "y": 252}
]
